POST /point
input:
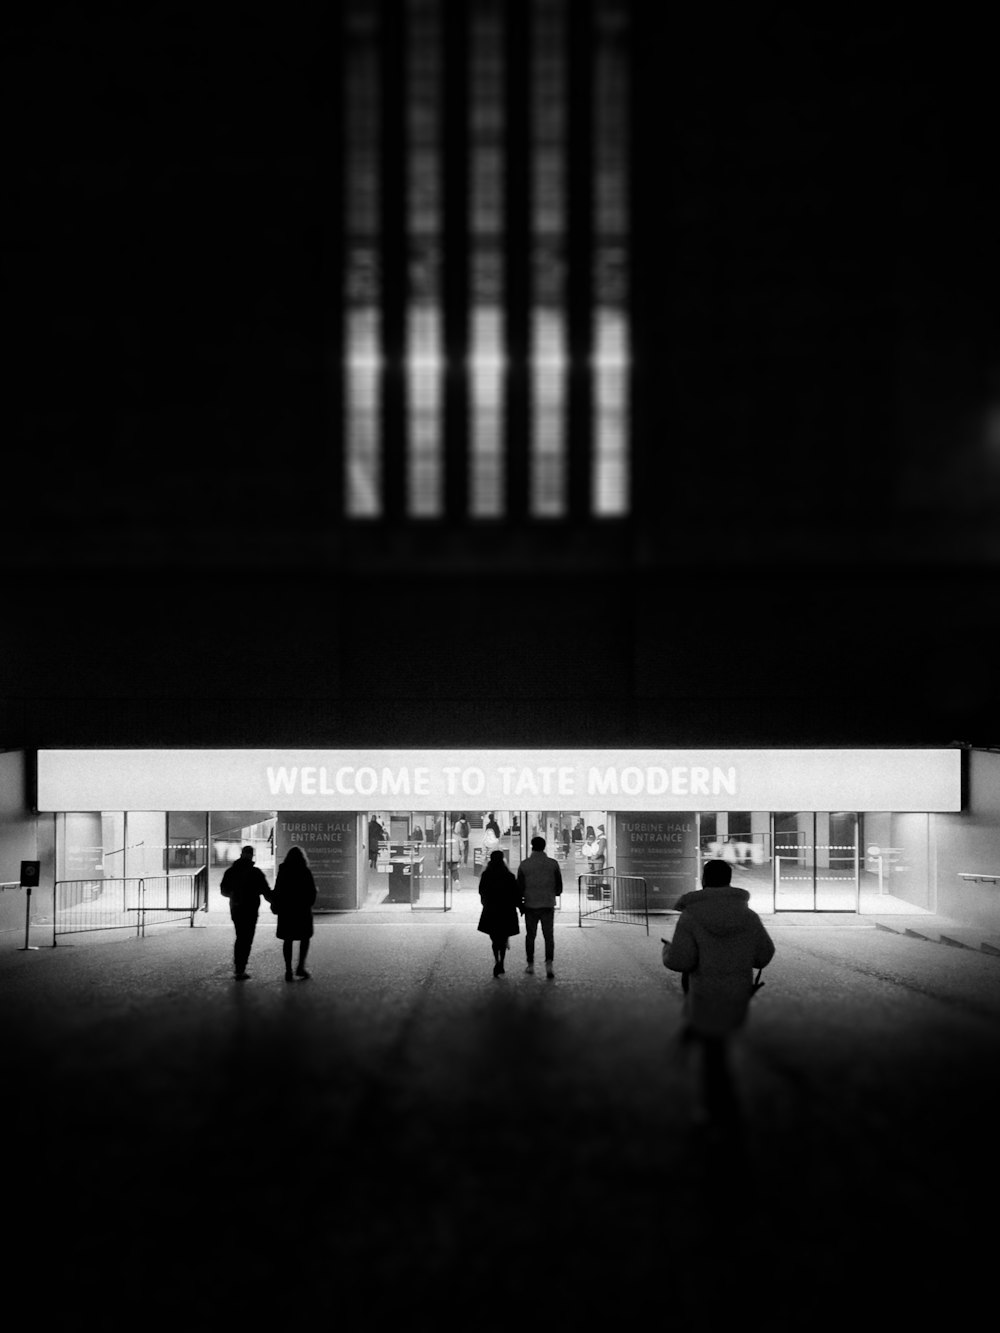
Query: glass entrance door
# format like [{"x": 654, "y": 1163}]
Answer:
[
  {"x": 794, "y": 843},
  {"x": 837, "y": 865},
  {"x": 406, "y": 864},
  {"x": 577, "y": 839},
  {"x": 815, "y": 861}
]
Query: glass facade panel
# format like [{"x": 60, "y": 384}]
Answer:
[
  {"x": 231, "y": 830},
  {"x": 432, "y": 859},
  {"x": 87, "y": 844},
  {"x": 146, "y": 843},
  {"x": 816, "y": 861},
  {"x": 578, "y": 840},
  {"x": 743, "y": 838},
  {"x": 794, "y": 861},
  {"x": 875, "y": 863},
  {"x": 112, "y": 873},
  {"x": 187, "y": 840},
  {"x": 403, "y": 864},
  {"x": 836, "y": 861},
  {"x": 896, "y": 866}
]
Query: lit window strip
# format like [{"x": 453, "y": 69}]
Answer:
[
  {"x": 611, "y": 351},
  {"x": 486, "y": 329},
  {"x": 548, "y": 316},
  {"x": 424, "y": 350},
  {"x": 362, "y": 457}
]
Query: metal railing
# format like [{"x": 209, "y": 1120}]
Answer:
[
  {"x": 126, "y": 902},
  {"x": 613, "y": 897}
]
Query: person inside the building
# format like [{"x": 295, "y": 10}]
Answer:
[
  {"x": 451, "y": 853},
  {"x": 600, "y": 848},
  {"x": 376, "y": 835},
  {"x": 595, "y": 849},
  {"x": 462, "y": 831}
]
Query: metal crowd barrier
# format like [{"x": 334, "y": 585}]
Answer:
[
  {"x": 124, "y": 903},
  {"x": 613, "y": 897}
]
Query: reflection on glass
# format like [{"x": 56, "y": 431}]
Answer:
[
  {"x": 486, "y": 331},
  {"x": 363, "y": 362},
  {"x": 424, "y": 356},
  {"x": 610, "y": 363}
]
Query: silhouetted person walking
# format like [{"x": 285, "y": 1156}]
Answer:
[
  {"x": 244, "y": 885},
  {"x": 717, "y": 944},
  {"x": 539, "y": 882},
  {"x": 376, "y": 833},
  {"x": 499, "y": 893},
  {"x": 292, "y": 898}
]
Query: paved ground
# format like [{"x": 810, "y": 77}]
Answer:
[{"x": 404, "y": 1139}]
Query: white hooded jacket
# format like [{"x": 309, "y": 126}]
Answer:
[{"x": 719, "y": 941}]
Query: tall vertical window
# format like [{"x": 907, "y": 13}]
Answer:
[
  {"x": 486, "y": 332},
  {"x": 424, "y": 359},
  {"x": 536, "y": 323},
  {"x": 548, "y": 315},
  {"x": 362, "y": 286},
  {"x": 611, "y": 350}
]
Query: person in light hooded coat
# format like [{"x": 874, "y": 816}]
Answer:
[{"x": 717, "y": 944}]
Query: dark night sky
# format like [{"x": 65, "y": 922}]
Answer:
[{"x": 817, "y": 335}]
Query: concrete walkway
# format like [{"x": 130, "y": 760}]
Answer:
[{"x": 404, "y": 1139}]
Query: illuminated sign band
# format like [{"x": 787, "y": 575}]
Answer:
[
  {"x": 505, "y": 781},
  {"x": 637, "y": 780}
]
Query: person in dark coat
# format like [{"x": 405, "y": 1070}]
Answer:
[
  {"x": 717, "y": 944},
  {"x": 292, "y": 899},
  {"x": 499, "y": 894},
  {"x": 376, "y": 835},
  {"x": 244, "y": 885}
]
